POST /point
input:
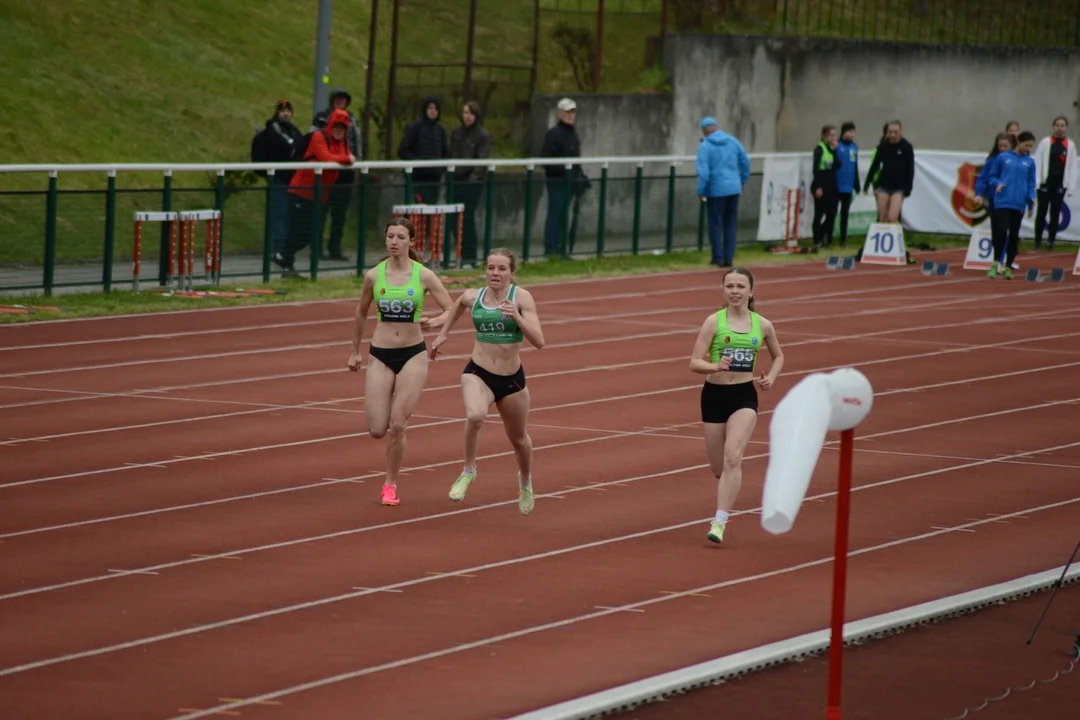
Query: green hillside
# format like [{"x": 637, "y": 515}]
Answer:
[{"x": 149, "y": 81}]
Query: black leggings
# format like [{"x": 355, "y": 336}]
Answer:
[
  {"x": 845, "y": 207},
  {"x": 824, "y": 218},
  {"x": 1049, "y": 198},
  {"x": 1006, "y": 234}
]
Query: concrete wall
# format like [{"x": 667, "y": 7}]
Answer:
[{"x": 776, "y": 93}]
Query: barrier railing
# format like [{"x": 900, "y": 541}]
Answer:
[{"x": 625, "y": 205}]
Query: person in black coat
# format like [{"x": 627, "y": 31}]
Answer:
[
  {"x": 471, "y": 141},
  {"x": 425, "y": 139},
  {"x": 892, "y": 173},
  {"x": 561, "y": 141},
  {"x": 824, "y": 186},
  {"x": 279, "y": 141}
]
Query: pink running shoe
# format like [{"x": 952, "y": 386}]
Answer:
[{"x": 389, "y": 495}]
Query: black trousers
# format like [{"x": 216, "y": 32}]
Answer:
[
  {"x": 1006, "y": 234},
  {"x": 1049, "y": 198},
  {"x": 341, "y": 196},
  {"x": 845, "y": 207},
  {"x": 301, "y": 226},
  {"x": 824, "y": 217}
]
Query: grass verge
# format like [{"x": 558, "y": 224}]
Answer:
[{"x": 82, "y": 305}]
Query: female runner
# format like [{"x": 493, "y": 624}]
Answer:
[
  {"x": 397, "y": 369},
  {"x": 726, "y": 353},
  {"x": 504, "y": 315}
]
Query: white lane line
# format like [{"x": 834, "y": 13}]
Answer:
[
  {"x": 612, "y": 433},
  {"x": 232, "y": 622},
  {"x": 640, "y": 605}
]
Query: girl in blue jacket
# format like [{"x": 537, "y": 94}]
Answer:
[
  {"x": 983, "y": 194},
  {"x": 1013, "y": 178}
]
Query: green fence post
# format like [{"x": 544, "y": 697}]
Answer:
[
  {"x": 219, "y": 205},
  {"x": 701, "y": 226},
  {"x": 447, "y": 229},
  {"x": 408, "y": 186},
  {"x": 316, "y": 230},
  {"x": 669, "y": 237},
  {"x": 50, "y": 234},
  {"x": 268, "y": 227},
  {"x": 635, "y": 238},
  {"x": 783, "y": 19},
  {"x": 565, "y": 242},
  {"x": 601, "y": 222},
  {"x": 1076, "y": 30},
  {"x": 110, "y": 232},
  {"x": 166, "y": 206},
  {"x": 489, "y": 211},
  {"x": 361, "y": 240},
  {"x": 527, "y": 236}
]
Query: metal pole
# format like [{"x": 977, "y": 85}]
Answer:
[
  {"x": 843, "y": 509},
  {"x": 469, "y": 51},
  {"x": 365, "y": 149},
  {"x": 669, "y": 231},
  {"x": 110, "y": 231},
  {"x": 489, "y": 210},
  {"x": 602, "y": 221},
  {"x": 268, "y": 228},
  {"x": 598, "y": 59},
  {"x": 527, "y": 237},
  {"x": 391, "y": 93},
  {"x": 635, "y": 237},
  {"x": 361, "y": 243},
  {"x": 50, "y": 233},
  {"x": 536, "y": 45},
  {"x": 322, "y": 58}
]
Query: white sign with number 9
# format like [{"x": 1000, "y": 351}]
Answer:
[{"x": 980, "y": 252}]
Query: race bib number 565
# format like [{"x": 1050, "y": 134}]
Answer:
[{"x": 742, "y": 359}]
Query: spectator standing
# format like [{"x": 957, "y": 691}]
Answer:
[
  {"x": 279, "y": 141},
  {"x": 723, "y": 167},
  {"x": 562, "y": 141},
  {"x": 325, "y": 146},
  {"x": 824, "y": 186},
  {"x": 1055, "y": 160},
  {"x": 847, "y": 175},
  {"x": 425, "y": 139},
  {"x": 1012, "y": 175},
  {"x": 470, "y": 141},
  {"x": 342, "y": 194},
  {"x": 892, "y": 172}
]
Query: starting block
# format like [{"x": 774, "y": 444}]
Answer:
[
  {"x": 835, "y": 262},
  {"x": 1056, "y": 275},
  {"x": 929, "y": 267}
]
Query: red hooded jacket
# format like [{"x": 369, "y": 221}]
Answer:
[{"x": 322, "y": 148}]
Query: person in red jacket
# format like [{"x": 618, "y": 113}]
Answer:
[{"x": 327, "y": 145}]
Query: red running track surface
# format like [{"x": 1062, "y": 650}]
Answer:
[{"x": 191, "y": 525}]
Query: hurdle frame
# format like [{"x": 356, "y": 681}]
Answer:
[
  {"x": 430, "y": 224},
  {"x": 181, "y": 250}
]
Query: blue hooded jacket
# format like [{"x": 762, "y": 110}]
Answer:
[
  {"x": 723, "y": 166},
  {"x": 1017, "y": 173},
  {"x": 983, "y": 188},
  {"x": 847, "y": 172}
]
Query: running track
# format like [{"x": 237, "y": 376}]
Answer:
[{"x": 191, "y": 525}]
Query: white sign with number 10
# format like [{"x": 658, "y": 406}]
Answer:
[
  {"x": 980, "y": 252},
  {"x": 885, "y": 245}
]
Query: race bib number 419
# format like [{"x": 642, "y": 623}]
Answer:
[{"x": 742, "y": 359}]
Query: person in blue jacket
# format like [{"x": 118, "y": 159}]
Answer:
[
  {"x": 1013, "y": 178},
  {"x": 723, "y": 167},
  {"x": 847, "y": 174},
  {"x": 983, "y": 194}
]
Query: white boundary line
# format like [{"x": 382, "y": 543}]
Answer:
[{"x": 783, "y": 651}]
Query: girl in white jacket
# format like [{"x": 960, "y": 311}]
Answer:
[{"x": 1055, "y": 167}]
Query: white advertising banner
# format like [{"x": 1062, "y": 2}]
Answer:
[{"x": 938, "y": 202}]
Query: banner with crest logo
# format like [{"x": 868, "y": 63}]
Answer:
[{"x": 938, "y": 203}]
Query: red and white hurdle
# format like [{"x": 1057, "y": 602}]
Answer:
[{"x": 181, "y": 250}]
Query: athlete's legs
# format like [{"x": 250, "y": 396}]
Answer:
[
  {"x": 896, "y": 203},
  {"x": 478, "y": 398},
  {"x": 726, "y": 445},
  {"x": 378, "y": 395},
  {"x": 514, "y": 410},
  {"x": 407, "y": 390},
  {"x": 882, "y": 199}
]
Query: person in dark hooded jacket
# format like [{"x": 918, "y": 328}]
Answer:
[
  {"x": 328, "y": 145},
  {"x": 470, "y": 141},
  {"x": 425, "y": 139},
  {"x": 342, "y": 194},
  {"x": 279, "y": 141}
]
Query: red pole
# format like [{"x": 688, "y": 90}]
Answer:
[{"x": 843, "y": 508}]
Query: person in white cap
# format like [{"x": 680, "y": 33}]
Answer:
[{"x": 562, "y": 140}]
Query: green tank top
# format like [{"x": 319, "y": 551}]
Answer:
[
  {"x": 491, "y": 326},
  {"x": 742, "y": 348},
  {"x": 399, "y": 303}
]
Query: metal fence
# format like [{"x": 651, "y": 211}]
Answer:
[{"x": 63, "y": 238}]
